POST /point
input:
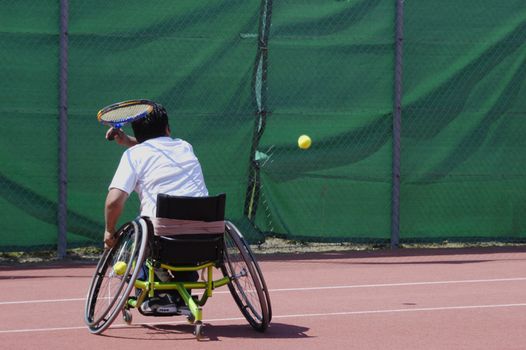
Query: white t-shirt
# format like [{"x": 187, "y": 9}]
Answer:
[{"x": 160, "y": 165}]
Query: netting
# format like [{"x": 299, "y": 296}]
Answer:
[
  {"x": 188, "y": 56},
  {"x": 242, "y": 80},
  {"x": 330, "y": 77},
  {"x": 28, "y": 146},
  {"x": 463, "y": 134}
]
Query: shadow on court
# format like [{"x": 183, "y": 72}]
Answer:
[{"x": 211, "y": 332}]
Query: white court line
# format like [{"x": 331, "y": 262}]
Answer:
[
  {"x": 41, "y": 301},
  {"x": 344, "y": 313},
  {"x": 383, "y": 285},
  {"x": 401, "y": 284}
]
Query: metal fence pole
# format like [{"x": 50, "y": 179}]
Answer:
[
  {"x": 397, "y": 119},
  {"x": 62, "y": 136}
]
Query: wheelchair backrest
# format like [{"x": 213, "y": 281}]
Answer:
[{"x": 196, "y": 235}]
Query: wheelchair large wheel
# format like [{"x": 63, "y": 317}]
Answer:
[
  {"x": 115, "y": 276},
  {"x": 247, "y": 285}
]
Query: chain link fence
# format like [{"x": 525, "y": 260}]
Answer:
[
  {"x": 190, "y": 56},
  {"x": 29, "y": 141},
  {"x": 330, "y": 76},
  {"x": 463, "y": 133},
  {"x": 242, "y": 80}
]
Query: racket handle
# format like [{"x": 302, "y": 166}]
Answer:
[{"x": 112, "y": 134}]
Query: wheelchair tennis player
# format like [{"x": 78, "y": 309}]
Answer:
[{"x": 181, "y": 231}]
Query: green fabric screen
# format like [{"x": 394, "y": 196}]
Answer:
[
  {"x": 330, "y": 76},
  {"x": 186, "y": 55},
  {"x": 463, "y": 126},
  {"x": 329, "y": 73},
  {"x": 28, "y": 145}
]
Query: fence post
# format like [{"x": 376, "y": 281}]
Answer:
[
  {"x": 62, "y": 135},
  {"x": 397, "y": 119}
]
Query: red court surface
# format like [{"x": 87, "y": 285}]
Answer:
[{"x": 408, "y": 299}]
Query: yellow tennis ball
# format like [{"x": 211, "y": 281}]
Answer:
[
  {"x": 304, "y": 142},
  {"x": 120, "y": 268}
]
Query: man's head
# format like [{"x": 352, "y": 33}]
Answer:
[{"x": 153, "y": 125}]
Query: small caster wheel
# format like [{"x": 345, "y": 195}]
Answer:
[
  {"x": 198, "y": 332},
  {"x": 127, "y": 316}
]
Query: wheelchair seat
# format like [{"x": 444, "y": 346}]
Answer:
[{"x": 188, "y": 230}]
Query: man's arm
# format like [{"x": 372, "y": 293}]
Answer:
[{"x": 113, "y": 208}]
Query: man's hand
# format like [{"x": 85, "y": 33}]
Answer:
[
  {"x": 109, "y": 239},
  {"x": 120, "y": 137}
]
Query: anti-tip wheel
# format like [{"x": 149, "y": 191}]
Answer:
[
  {"x": 127, "y": 316},
  {"x": 198, "y": 331}
]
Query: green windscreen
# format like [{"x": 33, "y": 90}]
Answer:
[
  {"x": 463, "y": 126},
  {"x": 329, "y": 77},
  {"x": 242, "y": 80},
  {"x": 28, "y": 145}
]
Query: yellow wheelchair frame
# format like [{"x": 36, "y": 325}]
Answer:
[{"x": 118, "y": 268}]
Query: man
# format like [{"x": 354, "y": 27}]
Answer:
[{"x": 153, "y": 163}]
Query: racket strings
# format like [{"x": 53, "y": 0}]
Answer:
[{"x": 125, "y": 113}]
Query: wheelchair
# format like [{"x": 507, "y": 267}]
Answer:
[{"x": 188, "y": 236}]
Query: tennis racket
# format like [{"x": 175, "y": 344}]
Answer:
[{"x": 118, "y": 114}]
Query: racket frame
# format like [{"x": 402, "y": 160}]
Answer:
[{"x": 121, "y": 122}]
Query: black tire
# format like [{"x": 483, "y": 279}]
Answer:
[
  {"x": 109, "y": 290},
  {"x": 247, "y": 285}
]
